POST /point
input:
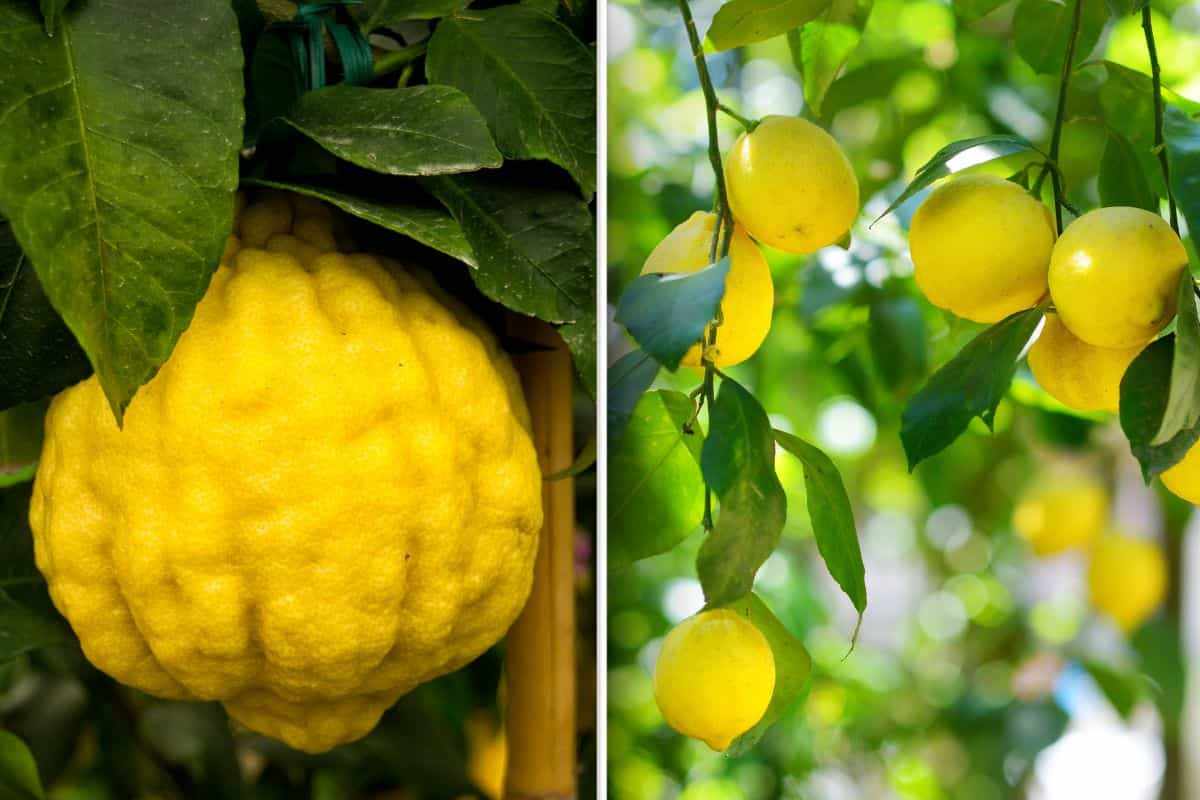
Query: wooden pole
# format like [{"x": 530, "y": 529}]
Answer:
[{"x": 540, "y": 667}]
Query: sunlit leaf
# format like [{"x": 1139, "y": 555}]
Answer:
[
  {"x": 822, "y": 47},
  {"x": 1182, "y": 135},
  {"x": 1122, "y": 179},
  {"x": 742, "y": 22},
  {"x": 667, "y": 314},
  {"x": 1041, "y": 29}
]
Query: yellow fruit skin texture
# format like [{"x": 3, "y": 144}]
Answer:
[
  {"x": 327, "y": 496},
  {"x": 980, "y": 247},
  {"x": 1183, "y": 479},
  {"x": 1127, "y": 579},
  {"x": 1075, "y": 373},
  {"x": 1114, "y": 276},
  {"x": 749, "y": 291},
  {"x": 791, "y": 186},
  {"x": 1062, "y": 514},
  {"x": 714, "y": 677}
]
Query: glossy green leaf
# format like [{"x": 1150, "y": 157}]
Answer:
[
  {"x": 793, "y": 669},
  {"x": 418, "y": 130},
  {"x": 428, "y": 224},
  {"x": 1041, "y": 29},
  {"x": 20, "y": 442},
  {"x": 668, "y": 314},
  {"x": 118, "y": 177},
  {"x": 958, "y": 156},
  {"x": 536, "y": 250},
  {"x": 969, "y": 385},
  {"x": 832, "y": 518},
  {"x": 655, "y": 490},
  {"x": 822, "y": 47},
  {"x": 741, "y": 22},
  {"x": 897, "y": 335},
  {"x": 18, "y": 772},
  {"x": 628, "y": 380},
  {"x": 386, "y": 13},
  {"x": 38, "y": 354},
  {"x": 1182, "y": 135},
  {"x": 1122, "y": 179},
  {"x": 533, "y": 80},
  {"x": 1143, "y": 404},
  {"x": 1182, "y": 411},
  {"x": 738, "y": 462}
]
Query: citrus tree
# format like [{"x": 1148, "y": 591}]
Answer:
[
  {"x": 267, "y": 468},
  {"x": 1017, "y": 253}
]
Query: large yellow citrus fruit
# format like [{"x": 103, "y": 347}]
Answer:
[
  {"x": 1183, "y": 479},
  {"x": 714, "y": 677},
  {"x": 1127, "y": 579},
  {"x": 749, "y": 292},
  {"x": 1077, "y": 374},
  {"x": 980, "y": 247},
  {"x": 327, "y": 496},
  {"x": 790, "y": 185},
  {"x": 1061, "y": 512},
  {"x": 1114, "y": 276}
]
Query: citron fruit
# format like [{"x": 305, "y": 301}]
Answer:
[
  {"x": 1114, "y": 275},
  {"x": 1127, "y": 579},
  {"x": 1061, "y": 512},
  {"x": 981, "y": 247},
  {"x": 714, "y": 677},
  {"x": 790, "y": 185},
  {"x": 1183, "y": 479},
  {"x": 749, "y": 297},
  {"x": 1079, "y": 375},
  {"x": 325, "y": 497}
]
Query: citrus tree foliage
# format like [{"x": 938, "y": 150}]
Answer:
[
  {"x": 126, "y": 129},
  {"x": 935, "y": 423}
]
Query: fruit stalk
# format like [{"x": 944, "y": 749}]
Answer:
[
  {"x": 1056, "y": 181},
  {"x": 1159, "y": 142}
]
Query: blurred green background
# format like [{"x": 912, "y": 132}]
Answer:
[{"x": 980, "y": 672}]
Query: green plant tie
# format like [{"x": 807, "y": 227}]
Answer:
[{"x": 306, "y": 34}]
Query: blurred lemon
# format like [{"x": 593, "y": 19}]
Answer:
[
  {"x": 714, "y": 677},
  {"x": 981, "y": 247},
  {"x": 1127, "y": 579},
  {"x": 790, "y": 185},
  {"x": 1061, "y": 512},
  {"x": 1113, "y": 276},
  {"x": 749, "y": 293},
  {"x": 1183, "y": 479},
  {"x": 1075, "y": 373}
]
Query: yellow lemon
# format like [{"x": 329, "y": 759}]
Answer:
[
  {"x": 1183, "y": 479},
  {"x": 1075, "y": 373},
  {"x": 749, "y": 292},
  {"x": 981, "y": 247},
  {"x": 714, "y": 677},
  {"x": 790, "y": 185},
  {"x": 327, "y": 496},
  {"x": 1061, "y": 512},
  {"x": 1127, "y": 579},
  {"x": 1114, "y": 276}
]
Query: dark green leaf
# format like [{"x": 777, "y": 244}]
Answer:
[
  {"x": 536, "y": 250},
  {"x": 51, "y": 12},
  {"x": 1163, "y": 663},
  {"x": 969, "y": 385},
  {"x": 20, "y": 442},
  {"x": 418, "y": 130},
  {"x": 656, "y": 493},
  {"x": 1122, "y": 178},
  {"x": 386, "y": 13},
  {"x": 973, "y": 10},
  {"x": 793, "y": 668},
  {"x": 22, "y": 631},
  {"x": 958, "y": 156},
  {"x": 427, "y": 224},
  {"x": 738, "y": 462},
  {"x": 667, "y": 314},
  {"x": 38, "y": 354},
  {"x": 195, "y": 736},
  {"x": 532, "y": 79},
  {"x": 896, "y": 332},
  {"x": 276, "y": 83},
  {"x": 742, "y": 22},
  {"x": 1120, "y": 8},
  {"x": 832, "y": 518},
  {"x": 1143, "y": 405},
  {"x": 1182, "y": 135},
  {"x": 19, "y": 574},
  {"x": 820, "y": 291},
  {"x": 1041, "y": 29},
  {"x": 628, "y": 379},
  {"x": 18, "y": 773},
  {"x": 822, "y": 47},
  {"x": 1182, "y": 411},
  {"x": 119, "y": 144},
  {"x": 1124, "y": 690}
]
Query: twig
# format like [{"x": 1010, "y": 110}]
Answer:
[
  {"x": 1056, "y": 182},
  {"x": 1159, "y": 141}
]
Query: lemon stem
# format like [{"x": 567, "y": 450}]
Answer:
[
  {"x": 1056, "y": 181},
  {"x": 748, "y": 124},
  {"x": 1156, "y": 80}
]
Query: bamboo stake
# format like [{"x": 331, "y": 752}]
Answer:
[{"x": 540, "y": 669}]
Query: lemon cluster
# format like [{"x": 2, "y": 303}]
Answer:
[
  {"x": 789, "y": 186},
  {"x": 327, "y": 495}
]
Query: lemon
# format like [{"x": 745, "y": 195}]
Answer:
[
  {"x": 327, "y": 495},
  {"x": 980, "y": 247},
  {"x": 790, "y": 185},
  {"x": 1114, "y": 276},
  {"x": 749, "y": 297},
  {"x": 1183, "y": 479},
  {"x": 1075, "y": 373},
  {"x": 1061, "y": 512},
  {"x": 714, "y": 677},
  {"x": 1127, "y": 579}
]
